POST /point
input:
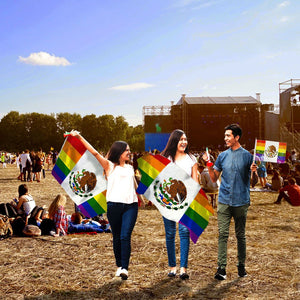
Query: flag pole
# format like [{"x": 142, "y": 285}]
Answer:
[{"x": 254, "y": 154}]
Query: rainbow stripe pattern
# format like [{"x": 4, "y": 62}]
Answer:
[
  {"x": 263, "y": 152},
  {"x": 69, "y": 162},
  {"x": 150, "y": 166},
  {"x": 195, "y": 216}
]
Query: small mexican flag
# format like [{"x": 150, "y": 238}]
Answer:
[{"x": 270, "y": 151}]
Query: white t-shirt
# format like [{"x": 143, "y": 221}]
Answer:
[
  {"x": 186, "y": 163},
  {"x": 120, "y": 184},
  {"x": 28, "y": 205}
]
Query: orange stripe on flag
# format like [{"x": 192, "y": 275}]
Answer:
[
  {"x": 201, "y": 198},
  {"x": 156, "y": 164}
]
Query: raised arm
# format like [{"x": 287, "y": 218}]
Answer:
[
  {"x": 102, "y": 160},
  {"x": 214, "y": 174}
]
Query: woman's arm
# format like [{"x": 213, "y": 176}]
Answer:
[
  {"x": 20, "y": 202},
  {"x": 102, "y": 160},
  {"x": 194, "y": 172}
]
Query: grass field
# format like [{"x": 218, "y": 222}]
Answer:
[{"x": 82, "y": 266}]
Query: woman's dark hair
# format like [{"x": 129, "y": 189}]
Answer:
[
  {"x": 23, "y": 189},
  {"x": 236, "y": 129},
  {"x": 171, "y": 148},
  {"x": 115, "y": 151}
]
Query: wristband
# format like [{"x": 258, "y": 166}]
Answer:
[{"x": 209, "y": 164}]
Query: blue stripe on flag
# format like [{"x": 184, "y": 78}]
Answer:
[
  {"x": 193, "y": 226},
  {"x": 58, "y": 174},
  {"x": 86, "y": 206},
  {"x": 141, "y": 188}
]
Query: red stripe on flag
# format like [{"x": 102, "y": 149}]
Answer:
[
  {"x": 162, "y": 159},
  {"x": 77, "y": 144}
]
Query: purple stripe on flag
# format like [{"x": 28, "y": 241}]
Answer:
[
  {"x": 192, "y": 226},
  {"x": 58, "y": 174},
  {"x": 88, "y": 209},
  {"x": 81, "y": 208}
]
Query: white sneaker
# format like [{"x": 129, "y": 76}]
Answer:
[
  {"x": 124, "y": 274},
  {"x": 118, "y": 273}
]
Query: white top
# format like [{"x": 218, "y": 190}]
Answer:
[
  {"x": 28, "y": 205},
  {"x": 186, "y": 163},
  {"x": 120, "y": 184},
  {"x": 23, "y": 159}
]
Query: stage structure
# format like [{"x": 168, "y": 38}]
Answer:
[
  {"x": 157, "y": 126},
  {"x": 204, "y": 118},
  {"x": 289, "y": 96}
]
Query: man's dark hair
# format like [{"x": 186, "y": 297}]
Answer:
[{"x": 235, "y": 128}]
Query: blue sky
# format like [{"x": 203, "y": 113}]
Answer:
[{"x": 114, "y": 57}]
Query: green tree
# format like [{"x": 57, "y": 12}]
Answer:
[{"x": 66, "y": 122}]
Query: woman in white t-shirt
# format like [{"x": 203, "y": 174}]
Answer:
[
  {"x": 122, "y": 201},
  {"x": 177, "y": 151},
  {"x": 25, "y": 203}
]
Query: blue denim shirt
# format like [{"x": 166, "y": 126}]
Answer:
[{"x": 235, "y": 179}]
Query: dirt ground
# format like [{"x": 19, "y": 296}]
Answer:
[{"x": 82, "y": 266}]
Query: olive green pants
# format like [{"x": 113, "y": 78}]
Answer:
[{"x": 239, "y": 214}]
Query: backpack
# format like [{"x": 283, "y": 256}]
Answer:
[
  {"x": 5, "y": 227},
  {"x": 18, "y": 225},
  {"x": 8, "y": 210}
]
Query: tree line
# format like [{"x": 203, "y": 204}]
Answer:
[{"x": 34, "y": 130}]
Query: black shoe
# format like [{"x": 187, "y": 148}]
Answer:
[
  {"x": 184, "y": 276},
  {"x": 241, "y": 271},
  {"x": 220, "y": 274},
  {"x": 172, "y": 274}
]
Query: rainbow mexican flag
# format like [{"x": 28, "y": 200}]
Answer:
[
  {"x": 81, "y": 176},
  {"x": 175, "y": 194},
  {"x": 270, "y": 151}
]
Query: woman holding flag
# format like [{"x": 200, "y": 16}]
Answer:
[
  {"x": 122, "y": 201},
  {"x": 177, "y": 151}
]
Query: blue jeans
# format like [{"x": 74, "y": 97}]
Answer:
[
  {"x": 122, "y": 218},
  {"x": 184, "y": 234}
]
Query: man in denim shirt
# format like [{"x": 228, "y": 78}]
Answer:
[{"x": 236, "y": 165}]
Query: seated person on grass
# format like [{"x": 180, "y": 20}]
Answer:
[
  {"x": 78, "y": 224},
  {"x": 290, "y": 193}
]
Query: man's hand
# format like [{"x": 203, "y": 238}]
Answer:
[{"x": 253, "y": 167}]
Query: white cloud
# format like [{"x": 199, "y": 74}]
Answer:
[
  {"x": 284, "y": 4},
  {"x": 132, "y": 86},
  {"x": 284, "y": 19},
  {"x": 44, "y": 59}
]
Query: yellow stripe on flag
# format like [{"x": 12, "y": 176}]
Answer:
[
  {"x": 204, "y": 202},
  {"x": 71, "y": 152},
  {"x": 101, "y": 200},
  {"x": 66, "y": 159},
  {"x": 148, "y": 169},
  {"x": 154, "y": 162},
  {"x": 200, "y": 210}
]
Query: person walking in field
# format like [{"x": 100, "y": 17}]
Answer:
[
  {"x": 236, "y": 165},
  {"x": 122, "y": 201}
]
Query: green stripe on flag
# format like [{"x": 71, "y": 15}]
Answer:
[
  {"x": 146, "y": 179},
  {"x": 196, "y": 218},
  {"x": 96, "y": 206},
  {"x": 62, "y": 166}
]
